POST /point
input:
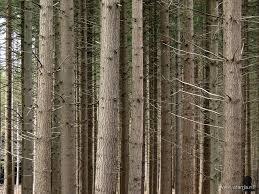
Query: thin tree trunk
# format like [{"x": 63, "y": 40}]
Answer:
[
  {"x": 166, "y": 132},
  {"x": 188, "y": 139},
  {"x": 90, "y": 110},
  {"x": 136, "y": 130},
  {"x": 55, "y": 149},
  {"x": 232, "y": 164},
  {"x": 83, "y": 98},
  {"x": 68, "y": 132},
  {"x": 8, "y": 163},
  {"x": 178, "y": 134},
  {"x": 42, "y": 163},
  {"x": 125, "y": 103},
  {"x": 108, "y": 123},
  {"x": 27, "y": 99}
]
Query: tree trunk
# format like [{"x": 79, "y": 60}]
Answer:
[
  {"x": 8, "y": 163},
  {"x": 188, "y": 139},
  {"x": 27, "y": 99},
  {"x": 83, "y": 97},
  {"x": 55, "y": 149},
  {"x": 42, "y": 182},
  {"x": 68, "y": 132},
  {"x": 232, "y": 164},
  {"x": 108, "y": 123},
  {"x": 125, "y": 103},
  {"x": 166, "y": 132},
  {"x": 136, "y": 130}
]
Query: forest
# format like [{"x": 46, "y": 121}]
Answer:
[{"x": 129, "y": 96}]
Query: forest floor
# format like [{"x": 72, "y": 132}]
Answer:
[{"x": 16, "y": 191}]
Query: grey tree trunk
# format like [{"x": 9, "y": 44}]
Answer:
[
  {"x": 27, "y": 98},
  {"x": 136, "y": 130},
  {"x": 166, "y": 132},
  {"x": 188, "y": 133},
  {"x": 232, "y": 163},
  {"x": 108, "y": 122},
  {"x": 42, "y": 161},
  {"x": 68, "y": 130}
]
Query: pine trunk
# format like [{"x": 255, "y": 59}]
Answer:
[
  {"x": 188, "y": 139},
  {"x": 42, "y": 162},
  {"x": 232, "y": 164},
  {"x": 108, "y": 122},
  {"x": 8, "y": 163},
  {"x": 166, "y": 132}
]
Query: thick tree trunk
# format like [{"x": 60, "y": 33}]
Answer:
[
  {"x": 188, "y": 139},
  {"x": 8, "y": 163},
  {"x": 27, "y": 99},
  {"x": 108, "y": 122},
  {"x": 136, "y": 130},
  {"x": 166, "y": 132},
  {"x": 68, "y": 132},
  {"x": 42, "y": 163},
  {"x": 232, "y": 163}
]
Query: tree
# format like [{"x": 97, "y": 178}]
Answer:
[
  {"x": 136, "y": 130},
  {"x": 8, "y": 163},
  {"x": 124, "y": 100},
  {"x": 68, "y": 131},
  {"x": 108, "y": 123},
  {"x": 83, "y": 97},
  {"x": 232, "y": 50},
  {"x": 27, "y": 97},
  {"x": 42, "y": 161},
  {"x": 166, "y": 132},
  {"x": 188, "y": 133}
]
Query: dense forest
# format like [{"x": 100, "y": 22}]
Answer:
[{"x": 129, "y": 96}]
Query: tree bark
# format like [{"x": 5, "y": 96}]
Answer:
[
  {"x": 232, "y": 164},
  {"x": 108, "y": 123},
  {"x": 42, "y": 182},
  {"x": 27, "y": 99},
  {"x": 166, "y": 132},
  {"x": 136, "y": 130},
  {"x": 8, "y": 163},
  {"x": 125, "y": 103},
  {"x": 68, "y": 131},
  {"x": 188, "y": 139}
]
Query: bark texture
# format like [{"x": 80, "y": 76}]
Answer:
[
  {"x": 68, "y": 130},
  {"x": 166, "y": 132},
  {"x": 232, "y": 163},
  {"x": 42, "y": 161},
  {"x": 136, "y": 130},
  {"x": 108, "y": 122}
]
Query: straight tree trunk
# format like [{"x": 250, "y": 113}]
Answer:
[
  {"x": 56, "y": 128},
  {"x": 108, "y": 122},
  {"x": 210, "y": 34},
  {"x": 42, "y": 161},
  {"x": 125, "y": 103},
  {"x": 232, "y": 163},
  {"x": 166, "y": 132},
  {"x": 90, "y": 110},
  {"x": 83, "y": 97},
  {"x": 68, "y": 131},
  {"x": 8, "y": 163},
  {"x": 136, "y": 130},
  {"x": 27, "y": 99},
  {"x": 188, "y": 139},
  {"x": 257, "y": 132}
]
